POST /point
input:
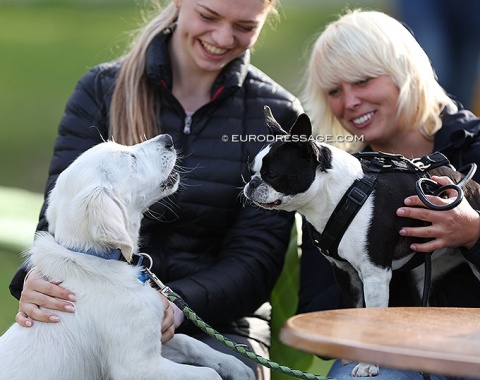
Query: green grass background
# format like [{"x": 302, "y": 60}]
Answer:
[{"x": 45, "y": 46}]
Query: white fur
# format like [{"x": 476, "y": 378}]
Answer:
[{"x": 97, "y": 204}]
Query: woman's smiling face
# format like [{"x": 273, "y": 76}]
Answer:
[
  {"x": 214, "y": 32},
  {"x": 367, "y": 108}
]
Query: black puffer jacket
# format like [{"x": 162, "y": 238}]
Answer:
[{"x": 221, "y": 254}]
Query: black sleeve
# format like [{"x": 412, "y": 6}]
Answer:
[
  {"x": 250, "y": 262},
  {"x": 460, "y": 137}
]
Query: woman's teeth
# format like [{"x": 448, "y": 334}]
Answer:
[
  {"x": 363, "y": 119},
  {"x": 212, "y": 49}
]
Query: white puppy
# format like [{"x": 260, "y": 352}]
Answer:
[{"x": 96, "y": 208}]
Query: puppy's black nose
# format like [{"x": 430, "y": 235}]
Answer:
[
  {"x": 254, "y": 183},
  {"x": 167, "y": 141}
]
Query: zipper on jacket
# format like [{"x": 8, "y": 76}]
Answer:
[{"x": 188, "y": 123}]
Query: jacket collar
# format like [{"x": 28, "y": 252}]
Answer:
[
  {"x": 159, "y": 69},
  {"x": 457, "y": 127}
]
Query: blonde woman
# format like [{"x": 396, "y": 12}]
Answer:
[
  {"x": 188, "y": 74},
  {"x": 369, "y": 78}
]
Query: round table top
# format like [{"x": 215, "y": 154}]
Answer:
[{"x": 434, "y": 340}]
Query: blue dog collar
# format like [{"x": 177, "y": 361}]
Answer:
[{"x": 114, "y": 254}]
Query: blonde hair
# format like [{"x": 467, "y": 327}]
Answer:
[
  {"x": 367, "y": 44},
  {"x": 133, "y": 112}
]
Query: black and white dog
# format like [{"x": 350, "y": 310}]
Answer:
[{"x": 299, "y": 174}]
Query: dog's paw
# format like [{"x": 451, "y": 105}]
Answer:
[
  {"x": 234, "y": 369},
  {"x": 206, "y": 373},
  {"x": 365, "y": 370}
]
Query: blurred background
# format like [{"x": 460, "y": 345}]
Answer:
[{"x": 45, "y": 46}]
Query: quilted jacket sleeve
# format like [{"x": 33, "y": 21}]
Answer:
[
  {"x": 251, "y": 259},
  {"x": 459, "y": 140}
]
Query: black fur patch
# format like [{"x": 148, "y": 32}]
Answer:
[{"x": 290, "y": 167}]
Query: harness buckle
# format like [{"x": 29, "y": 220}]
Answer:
[{"x": 357, "y": 196}]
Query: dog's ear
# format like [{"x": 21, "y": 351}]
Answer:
[
  {"x": 106, "y": 218},
  {"x": 302, "y": 126},
  {"x": 272, "y": 125},
  {"x": 324, "y": 157}
]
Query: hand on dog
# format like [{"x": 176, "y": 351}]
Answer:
[
  {"x": 458, "y": 227},
  {"x": 39, "y": 292},
  {"x": 172, "y": 318},
  {"x": 168, "y": 321}
]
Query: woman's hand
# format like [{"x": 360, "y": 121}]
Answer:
[
  {"x": 172, "y": 318},
  {"x": 168, "y": 321},
  {"x": 458, "y": 227},
  {"x": 39, "y": 292}
]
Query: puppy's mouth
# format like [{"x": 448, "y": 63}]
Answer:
[
  {"x": 171, "y": 181},
  {"x": 273, "y": 204}
]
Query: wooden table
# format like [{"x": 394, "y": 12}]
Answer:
[{"x": 442, "y": 341}]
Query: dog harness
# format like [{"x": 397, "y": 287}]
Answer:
[{"x": 374, "y": 164}]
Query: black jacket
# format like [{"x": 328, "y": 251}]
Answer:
[
  {"x": 459, "y": 140},
  {"x": 222, "y": 255}
]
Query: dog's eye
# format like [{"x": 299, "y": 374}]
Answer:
[
  {"x": 133, "y": 157},
  {"x": 133, "y": 161},
  {"x": 128, "y": 155},
  {"x": 268, "y": 175}
]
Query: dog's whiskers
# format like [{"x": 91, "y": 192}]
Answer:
[
  {"x": 244, "y": 181},
  {"x": 169, "y": 205}
]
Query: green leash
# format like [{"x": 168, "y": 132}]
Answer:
[{"x": 241, "y": 349}]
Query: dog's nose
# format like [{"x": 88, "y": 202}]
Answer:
[
  {"x": 166, "y": 140},
  {"x": 254, "y": 183}
]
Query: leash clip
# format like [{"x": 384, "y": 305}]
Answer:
[
  {"x": 164, "y": 289},
  {"x": 421, "y": 166},
  {"x": 146, "y": 273}
]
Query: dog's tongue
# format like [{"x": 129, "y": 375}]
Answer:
[{"x": 278, "y": 202}]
